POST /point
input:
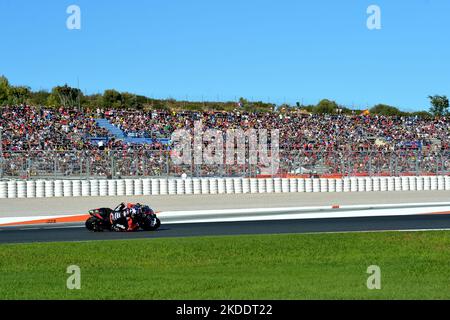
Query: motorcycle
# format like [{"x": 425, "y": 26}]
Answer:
[{"x": 99, "y": 220}]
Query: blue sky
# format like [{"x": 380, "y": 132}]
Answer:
[{"x": 277, "y": 51}]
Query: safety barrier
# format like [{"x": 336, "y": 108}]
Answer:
[{"x": 194, "y": 186}]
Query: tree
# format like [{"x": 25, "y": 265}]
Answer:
[
  {"x": 4, "y": 90},
  {"x": 260, "y": 106},
  {"x": 65, "y": 96},
  {"x": 422, "y": 114},
  {"x": 39, "y": 98},
  {"x": 130, "y": 101},
  {"x": 142, "y": 100},
  {"x": 326, "y": 106},
  {"x": 385, "y": 110},
  {"x": 439, "y": 105},
  {"x": 112, "y": 99},
  {"x": 284, "y": 107},
  {"x": 52, "y": 101},
  {"x": 92, "y": 101},
  {"x": 243, "y": 103},
  {"x": 19, "y": 95}
]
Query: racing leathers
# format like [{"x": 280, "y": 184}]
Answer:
[{"x": 122, "y": 217}]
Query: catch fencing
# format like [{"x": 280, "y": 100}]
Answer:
[{"x": 134, "y": 163}]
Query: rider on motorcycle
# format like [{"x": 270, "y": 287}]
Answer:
[{"x": 122, "y": 218}]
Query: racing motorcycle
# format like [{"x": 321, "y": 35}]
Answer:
[{"x": 99, "y": 219}]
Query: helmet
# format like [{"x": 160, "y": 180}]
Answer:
[{"x": 133, "y": 212}]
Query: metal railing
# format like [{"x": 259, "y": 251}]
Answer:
[
  {"x": 139, "y": 163},
  {"x": 370, "y": 163}
]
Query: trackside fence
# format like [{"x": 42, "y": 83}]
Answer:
[{"x": 135, "y": 163}]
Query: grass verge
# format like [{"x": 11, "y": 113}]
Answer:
[{"x": 414, "y": 265}]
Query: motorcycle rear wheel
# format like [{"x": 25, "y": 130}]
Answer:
[{"x": 92, "y": 224}]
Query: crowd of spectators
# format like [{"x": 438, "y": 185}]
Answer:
[
  {"x": 25, "y": 128},
  {"x": 66, "y": 140},
  {"x": 298, "y": 131}
]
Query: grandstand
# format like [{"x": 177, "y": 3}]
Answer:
[{"x": 46, "y": 142}]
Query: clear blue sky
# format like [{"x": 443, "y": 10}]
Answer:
[{"x": 282, "y": 51}]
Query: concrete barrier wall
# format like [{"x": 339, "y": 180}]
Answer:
[{"x": 137, "y": 187}]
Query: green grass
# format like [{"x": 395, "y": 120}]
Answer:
[{"x": 414, "y": 265}]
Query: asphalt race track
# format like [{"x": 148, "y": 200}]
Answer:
[{"x": 77, "y": 232}]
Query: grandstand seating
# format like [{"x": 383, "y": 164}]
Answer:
[
  {"x": 137, "y": 140},
  {"x": 114, "y": 130}
]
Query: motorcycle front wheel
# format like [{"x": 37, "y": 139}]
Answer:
[{"x": 147, "y": 225}]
